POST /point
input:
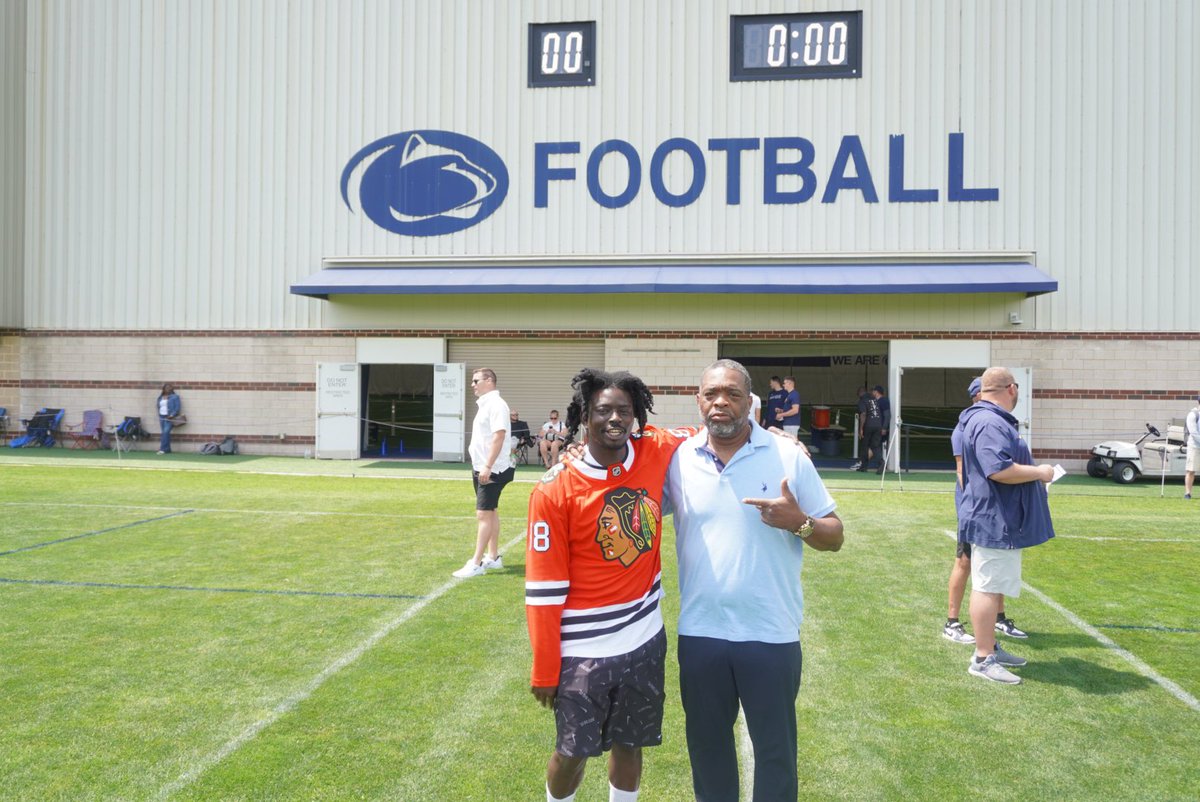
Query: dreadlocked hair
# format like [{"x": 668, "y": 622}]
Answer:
[{"x": 590, "y": 381}]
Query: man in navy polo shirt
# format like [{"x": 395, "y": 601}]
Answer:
[
  {"x": 775, "y": 400},
  {"x": 1004, "y": 510},
  {"x": 789, "y": 417}
]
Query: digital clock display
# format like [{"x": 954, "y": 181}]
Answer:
[
  {"x": 562, "y": 54},
  {"x": 782, "y": 46}
]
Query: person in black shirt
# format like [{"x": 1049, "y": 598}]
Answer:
[
  {"x": 521, "y": 437},
  {"x": 870, "y": 429}
]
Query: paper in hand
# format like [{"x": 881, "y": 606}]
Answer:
[{"x": 1059, "y": 472}]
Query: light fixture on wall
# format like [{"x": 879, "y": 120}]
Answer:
[{"x": 1015, "y": 318}]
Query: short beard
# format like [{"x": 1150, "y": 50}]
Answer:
[{"x": 726, "y": 430}]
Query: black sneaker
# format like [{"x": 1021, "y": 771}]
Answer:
[{"x": 1005, "y": 626}]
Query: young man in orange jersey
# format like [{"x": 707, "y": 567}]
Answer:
[{"x": 593, "y": 585}]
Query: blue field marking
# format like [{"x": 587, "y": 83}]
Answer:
[
  {"x": 97, "y": 532},
  {"x": 1147, "y": 628},
  {"x": 253, "y": 591}
]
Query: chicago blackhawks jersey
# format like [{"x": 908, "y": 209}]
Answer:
[{"x": 593, "y": 572}]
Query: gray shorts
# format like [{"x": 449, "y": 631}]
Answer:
[
  {"x": 607, "y": 700},
  {"x": 996, "y": 571}
]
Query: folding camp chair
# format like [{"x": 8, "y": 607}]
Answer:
[
  {"x": 88, "y": 433},
  {"x": 522, "y": 445},
  {"x": 40, "y": 429},
  {"x": 128, "y": 432}
]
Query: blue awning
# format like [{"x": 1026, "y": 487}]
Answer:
[{"x": 774, "y": 279}]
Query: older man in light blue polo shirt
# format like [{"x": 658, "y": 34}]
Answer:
[{"x": 746, "y": 503}]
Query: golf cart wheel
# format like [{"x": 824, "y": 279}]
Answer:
[
  {"x": 1124, "y": 473},
  {"x": 1095, "y": 468}
]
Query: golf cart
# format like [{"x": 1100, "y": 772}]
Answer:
[{"x": 1125, "y": 462}]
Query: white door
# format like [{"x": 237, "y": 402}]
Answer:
[
  {"x": 449, "y": 393},
  {"x": 337, "y": 410},
  {"x": 1023, "y": 411},
  {"x": 929, "y": 354}
]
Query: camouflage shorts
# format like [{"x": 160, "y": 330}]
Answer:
[{"x": 606, "y": 700}]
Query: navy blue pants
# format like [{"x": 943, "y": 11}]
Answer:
[{"x": 714, "y": 676}]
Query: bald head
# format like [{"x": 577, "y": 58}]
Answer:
[{"x": 999, "y": 388}]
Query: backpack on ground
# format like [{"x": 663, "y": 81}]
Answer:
[
  {"x": 210, "y": 448},
  {"x": 228, "y": 446}
]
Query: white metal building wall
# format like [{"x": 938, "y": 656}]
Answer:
[
  {"x": 532, "y": 376},
  {"x": 188, "y": 154},
  {"x": 12, "y": 161}
]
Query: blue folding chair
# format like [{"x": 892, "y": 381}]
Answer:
[{"x": 40, "y": 429}]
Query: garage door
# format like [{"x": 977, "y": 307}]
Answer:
[{"x": 533, "y": 376}]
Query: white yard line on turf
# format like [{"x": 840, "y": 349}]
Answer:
[
  {"x": 1139, "y": 665},
  {"x": 249, "y": 512},
  {"x": 197, "y": 769},
  {"x": 1143, "y": 669},
  {"x": 1100, "y": 538}
]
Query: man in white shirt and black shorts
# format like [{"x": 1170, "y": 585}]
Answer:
[
  {"x": 491, "y": 470},
  {"x": 1193, "y": 448}
]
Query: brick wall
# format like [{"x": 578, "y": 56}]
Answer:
[
  {"x": 670, "y": 367},
  {"x": 259, "y": 389},
  {"x": 260, "y": 385},
  {"x": 1086, "y": 391},
  {"x": 10, "y": 374}
]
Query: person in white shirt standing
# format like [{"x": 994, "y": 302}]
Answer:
[
  {"x": 491, "y": 470},
  {"x": 1193, "y": 448}
]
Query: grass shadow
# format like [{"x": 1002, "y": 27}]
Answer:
[{"x": 1085, "y": 676}]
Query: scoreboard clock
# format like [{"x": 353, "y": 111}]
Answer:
[
  {"x": 763, "y": 47},
  {"x": 772, "y": 47},
  {"x": 562, "y": 54}
]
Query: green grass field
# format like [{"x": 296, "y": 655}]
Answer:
[{"x": 203, "y": 629}]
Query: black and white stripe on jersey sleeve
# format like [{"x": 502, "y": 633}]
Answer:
[{"x": 545, "y": 594}]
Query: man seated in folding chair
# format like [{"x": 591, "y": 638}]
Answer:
[
  {"x": 89, "y": 432},
  {"x": 522, "y": 439}
]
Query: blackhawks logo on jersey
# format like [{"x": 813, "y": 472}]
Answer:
[{"x": 627, "y": 524}]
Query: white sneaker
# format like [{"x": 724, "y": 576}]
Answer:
[
  {"x": 494, "y": 565},
  {"x": 992, "y": 670},
  {"x": 1008, "y": 659},
  {"x": 471, "y": 569},
  {"x": 161, "y": 453},
  {"x": 955, "y": 632}
]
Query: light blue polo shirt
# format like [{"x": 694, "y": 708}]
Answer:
[{"x": 739, "y": 579}]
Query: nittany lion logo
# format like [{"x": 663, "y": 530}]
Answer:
[
  {"x": 426, "y": 183},
  {"x": 627, "y": 525}
]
